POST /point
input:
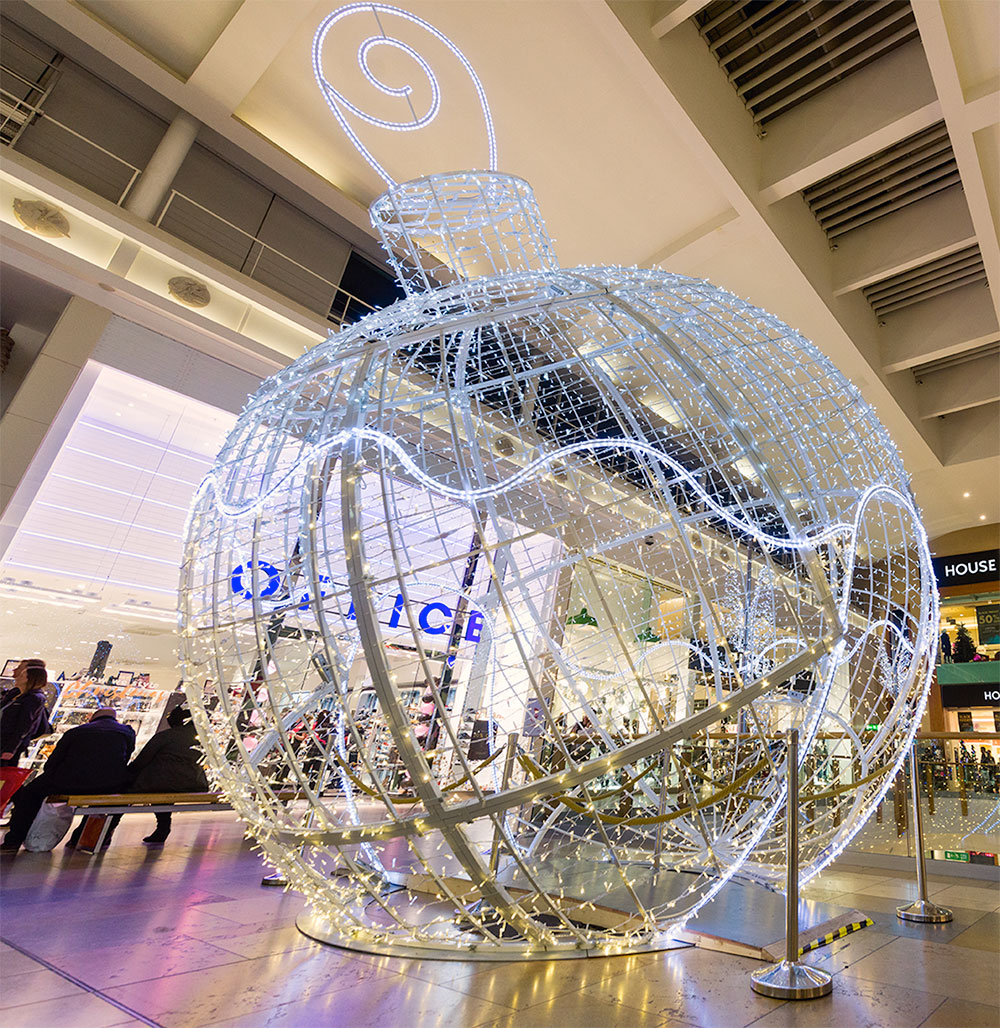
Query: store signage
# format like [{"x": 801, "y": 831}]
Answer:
[
  {"x": 982, "y": 857},
  {"x": 433, "y": 618},
  {"x": 970, "y": 694},
  {"x": 269, "y": 580},
  {"x": 988, "y": 623},
  {"x": 967, "y": 568},
  {"x": 965, "y": 721}
]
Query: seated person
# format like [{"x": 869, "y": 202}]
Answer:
[
  {"x": 89, "y": 759},
  {"x": 23, "y": 716},
  {"x": 169, "y": 762}
]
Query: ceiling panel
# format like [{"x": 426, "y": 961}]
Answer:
[
  {"x": 109, "y": 517},
  {"x": 153, "y": 27},
  {"x": 569, "y": 112}
]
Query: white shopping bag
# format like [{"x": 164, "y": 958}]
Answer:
[{"x": 51, "y": 823}]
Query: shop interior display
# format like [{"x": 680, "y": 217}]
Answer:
[
  {"x": 520, "y": 582},
  {"x": 136, "y": 705}
]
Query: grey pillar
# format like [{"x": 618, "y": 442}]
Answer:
[{"x": 153, "y": 184}]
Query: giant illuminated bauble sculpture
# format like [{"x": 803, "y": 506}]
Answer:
[{"x": 497, "y": 604}]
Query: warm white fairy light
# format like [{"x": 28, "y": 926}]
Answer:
[{"x": 504, "y": 628}]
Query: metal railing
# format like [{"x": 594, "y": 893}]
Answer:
[
  {"x": 17, "y": 112},
  {"x": 35, "y": 114},
  {"x": 341, "y": 308},
  {"x": 335, "y": 304},
  {"x": 961, "y": 795}
]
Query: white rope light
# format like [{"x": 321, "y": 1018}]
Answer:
[
  {"x": 341, "y": 106},
  {"x": 518, "y": 582}
]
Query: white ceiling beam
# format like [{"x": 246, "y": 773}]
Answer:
[
  {"x": 921, "y": 232},
  {"x": 866, "y": 112},
  {"x": 970, "y": 435},
  {"x": 940, "y": 327},
  {"x": 246, "y": 48},
  {"x": 674, "y": 14},
  {"x": 120, "y": 56},
  {"x": 960, "y": 387},
  {"x": 962, "y": 120},
  {"x": 703, "y": 110},
  {"x": 982, "y": 111},
  {"x": 698, "y": 244}
]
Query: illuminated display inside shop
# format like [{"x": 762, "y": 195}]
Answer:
[{"x": 533, "y": 571}]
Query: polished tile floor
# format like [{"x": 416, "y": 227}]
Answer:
[{"x": 185, "y": 936}]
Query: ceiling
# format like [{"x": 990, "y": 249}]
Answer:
[
  {"x": 96, "y": 555},
  {"x": 836, "y": 163}
]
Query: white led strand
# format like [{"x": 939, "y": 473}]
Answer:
[
  {"x": 652, "y": 497},
  {"x": 339, "y": 103}
]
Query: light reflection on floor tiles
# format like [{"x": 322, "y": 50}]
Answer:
[{"x": 186, "y": 937}]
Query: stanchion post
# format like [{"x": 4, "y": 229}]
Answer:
[
  {"x": 508, "y": 770},
  {"x": 920, "y": 909},
  {"x": 790, "y": 979},
  {"x": 658, "y": 844}
]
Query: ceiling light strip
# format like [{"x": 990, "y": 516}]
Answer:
[
  {"x": 103, "y": 547},
  {"x": 118, "y": 492},
  {"x": 61, "y": 573},
  {"x": 163, "y": 447},
  {"x": 134, "y": 467},
  {"x": 127, "y": 525}
]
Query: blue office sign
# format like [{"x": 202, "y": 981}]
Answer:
[{"x": 263, "y": 579}]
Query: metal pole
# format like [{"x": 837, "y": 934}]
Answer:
[
  {"x": 508, "y": 769},
  {"x": 790, "y": 979},
  {"x": 920, "y": 909},
  {"x": 792, "y": 851},
  {"x": 658, "y": 844}
]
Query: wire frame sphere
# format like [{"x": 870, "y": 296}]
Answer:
[{"x": 498, "y": 605}]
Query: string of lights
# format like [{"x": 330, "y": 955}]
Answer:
[{"x": 519, "y": 582}]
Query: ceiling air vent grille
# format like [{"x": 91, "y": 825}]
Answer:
[
  {"x": 779, "y": 54},
  {"x": 956, "y": 359},
  {"x": 908, "y": 171},
  {"x": 958, "y": 269}
]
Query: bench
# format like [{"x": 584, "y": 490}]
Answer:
[{"x": 99, "y": 807}]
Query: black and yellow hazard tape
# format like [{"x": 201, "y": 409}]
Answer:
[{"x": 846, "y": 929}]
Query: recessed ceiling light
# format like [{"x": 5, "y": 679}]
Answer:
[
  {"x": 982, "y": 517},
  {"x": 966, "y": 495}
]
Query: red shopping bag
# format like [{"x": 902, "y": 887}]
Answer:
[{"x": 11, "y": 779}]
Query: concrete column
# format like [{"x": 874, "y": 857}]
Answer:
[
  {"x": 150, "y": 190},
  {"x": 27, "y": 424}
]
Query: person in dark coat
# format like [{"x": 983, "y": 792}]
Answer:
[
  {"x": 23, "y": 716},
  {"x": 89, "y": 759},
  {"x": 169, "y": 762}
]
